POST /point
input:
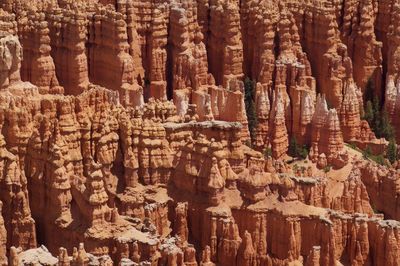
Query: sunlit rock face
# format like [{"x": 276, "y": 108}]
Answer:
[{"x": 202, "y": 132}]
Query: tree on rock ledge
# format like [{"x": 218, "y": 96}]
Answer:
[
  {"x": 249, "y": 100},
  {"x": 295, "y": 150},
  {"x": 392, "y": 151},
  {"x": 378, "y": 120}
]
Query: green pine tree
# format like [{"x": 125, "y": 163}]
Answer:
[
  {"x": 392, "y": 151},
  {"x": 293, "y": 147},
  {"x": 386, "y": 130},
  {"x": 369, "y": 90},
  {"x": 296, "y": 150},
  {"x": 367, "y": 152},
  {"x": 376, "y": 121},
  {"x": 303, "y": 152},
  {"x": 249, "y": 96},
  {"x": 376, "y": 118},
  {"x": 369, "y": 113}
]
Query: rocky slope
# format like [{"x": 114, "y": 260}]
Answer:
[{"x": 126, "y": 136}]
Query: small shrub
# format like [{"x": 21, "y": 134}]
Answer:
[
  {"x": 267, "y": 152},
  {"x": 295, "y": 150},
  {"x": 353, "y": 146},
  {"x": 249, "y": 100},
  {"x": 392, "y": 151},
  {"x": 367, "y": 152},
  {"x": 248, "y": 143},
  {"x": 146, "y": 82},
  {"x": 327, "y": 169},
  {"x": 379, "y": 159}
]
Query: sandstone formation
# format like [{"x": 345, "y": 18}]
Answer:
[
  {"x": 67, "y": 31},
  {"x": 3, "y": 238},
  {"x": 37, "y": 64},
  {"x": 358, "y": 33},
  {"x": 159, "y": 132},
  {"x": 327, "y": 138}
]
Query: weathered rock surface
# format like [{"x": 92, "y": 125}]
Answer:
[
  {"x": 68, "y": 35},
  {"x": 3, "y": 239},
  {"x": 123, "y": 131},
  {"x": 37, "y": 65},
  {"x": 327, "y": 138}
]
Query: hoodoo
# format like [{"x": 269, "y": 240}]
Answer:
[{"x": 199, "y": 132}]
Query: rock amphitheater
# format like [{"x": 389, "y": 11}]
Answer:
[{"x": 126, "y": 136}]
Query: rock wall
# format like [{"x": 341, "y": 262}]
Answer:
[
  {"x": 37, "y": 65},
  {"x": 327, "y": 138},
  {"x": 110, "y": 63},
  {"x": 384, "y": 196},
  {"x": 124, "y": 124},
  {"x": 3, "y": 238}
]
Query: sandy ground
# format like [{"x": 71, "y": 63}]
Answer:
[{"x": 335, "y": 177}]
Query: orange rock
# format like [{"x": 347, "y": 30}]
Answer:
[
  {"x": 349, "y": 114},
  {"x": 7, "y": 21},
  {"x": 79, "y": 256},
  {"x": 381, "y": 197},
  {"x": 190, "y": 66},
  {"x": 3, "y": 239},
  {"x": 247, "y": 253},
  {"x": 263, "y": 110},
  {"x": 181, "y": 222},
  {"x": 392, "y": 82},
  {"x": 63, "y": 259},
  {"x": 206, "y": 257},
  {"x": 358, "y": 33},
  {"x": 37, "y": 66},
  {"x": 157, "y": 58},
  {"x": 68, "y": 35},
  {"x": 327, "y": 136},
  {"x": 279, "y": 135},
  {"x": 10, "y": 61},
  {"x": 116, "y": 69},
  {"x": 313, "y": 258},
  {"x": 122, "y": 168},
  {"x": 225, "y": 46}
]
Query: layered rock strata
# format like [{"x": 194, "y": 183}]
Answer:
[
  {"x": 37, "y": 65},
  {"x": 142, "y": 158}
]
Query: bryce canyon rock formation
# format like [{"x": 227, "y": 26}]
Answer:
[{"x": 126, "y": 136}]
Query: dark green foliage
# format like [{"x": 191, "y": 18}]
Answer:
[
  {"x": 295, "y": 150},
  {"x": 369, "y": 90},
  {"x": 367, "y": 154},
  {"x": 146, "y": 82},
  {"x": 379, "y": 159},
  {"x": 304, "y": 152},
  {"x": 378, "y": 120},
  {"x": 353, "y": 146},
  {"x": 293, "y": 146},
  {"x": 375, "y": 116},
  {"x": 248, "y": 143},
  {"x": 327, "y": 169},
  {"x": 385, "y": 129},
  {"x": 369, "y": 113},
  {"x": 267, "y": 152},
  {"x": 392, "y": 151},
  {"x": 249, "y": 96}
]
